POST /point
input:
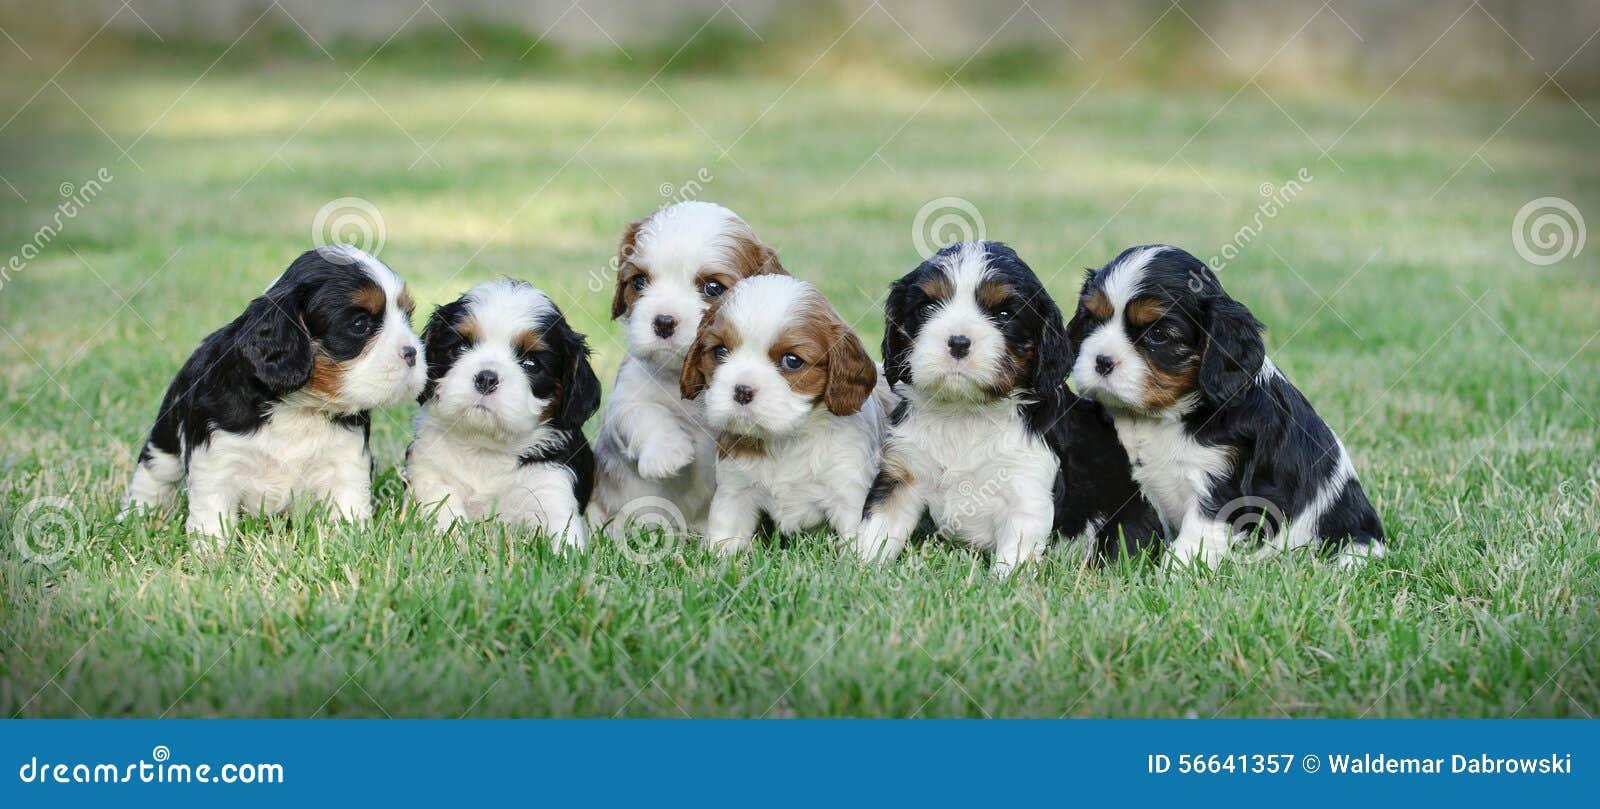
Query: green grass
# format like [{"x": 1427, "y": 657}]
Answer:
[{"x": 1472, "y": 424}]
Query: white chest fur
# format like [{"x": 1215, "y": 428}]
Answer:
[
  {"x": 297, "y": 452},
  {"x": 1173, "y": 469},
  {"x": 820, "y": 475}
]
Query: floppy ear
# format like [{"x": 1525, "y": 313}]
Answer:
[
  {"x": 1075, "y": 328},
  {"x": 752, "y": 258},
  {"x": 1052, "y": 358},
  {"x": 625, "y": 250},
  {"x": 580, "y": 388},
  {"x": 896, "y": 333},
  {"x": 1234, "y": 351},
  {"x": 439, "y": 339},
  {"x": 851, "y": 373},
  {"x": 692, "y": 379},
  {"x": 274, "y": 342}
]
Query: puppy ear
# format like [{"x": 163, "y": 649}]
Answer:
[
  {"x": 580, "y": 388},
  {"x": 752, "y": 258},
  {"x": 1052, "y": 358},
  {"x": 692, "y": 379},
  {"x": 1234, "y": 351},
  {"x": 439, "y": 339},
  {"x": 896, "y": 333},
  {"x": 625, "y": 251},
  {"x": 851, "y": 372},
  {"x": 1079, "y": 322},
  {"x": 274, "y": 342}
]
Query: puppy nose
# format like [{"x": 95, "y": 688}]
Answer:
[
  {"x": 664, "y": 325},
  {"x": 959, "y": 346},
  {"x": 409, "y": 354},
  {"x": 743, "y": 394},
  {"x": 486, "y": 381},
  {"x": 1103, "y": 364}
]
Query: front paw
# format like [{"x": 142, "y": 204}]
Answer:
[{"x": 665, "y": 457}]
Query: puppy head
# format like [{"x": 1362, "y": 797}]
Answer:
[
  {"x": 772, "y": 352},
  {"x": 973, "y": 324},
  {"x": 1154, "y": 331},
  {"x": 672, "y": 265},
  {"x": 502, "y": 362},
  {"x": 337, "y": 326}
]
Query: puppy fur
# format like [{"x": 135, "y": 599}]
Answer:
[
  {"x": 1218, "y": 436},
  {"x": 654, "y": 446},
  {"x": 275, "y": 405},
  {"x": 798, "y": 407},
  {"x": 500, "y": 433},
  {"x": 988, "y": 440}
]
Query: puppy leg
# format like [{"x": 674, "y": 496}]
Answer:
[
  {"x": 155, "y": 481},
  {"x": 213, "y": 502},
  {"x": 1022, "y": 539},
  {"x": 734, "y": 517},
  {"x": 431, "y": 494},
  {"x": 665, "y": 453},
  {"x": 1201, "y": 539},
  {"x": 349, "y": 489},
  {"x": 543, "y": 500},
  {"x": 893, "y": 508}
]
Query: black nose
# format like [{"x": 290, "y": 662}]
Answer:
[
  {"x": 959, "y": 346},
  {"x": 409, "y": 354},
  {"x": 1103, "y": 365},
  {"x": 743, "y": 394},
  {"x": 664, "y": 325},
  {"x": 486, "y": 381}
]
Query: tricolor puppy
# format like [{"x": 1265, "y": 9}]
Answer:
[
  {"x": 798, "y": 409},
  {"x": 500, "y": 435},
  {"x": 654, "y": 449},
  {"x": 1218, "y": 436},
  {"x": 274, "y": 405},
  {"x": 988, "y": 440}
]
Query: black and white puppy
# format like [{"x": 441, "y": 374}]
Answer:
[
  {"x": 1218, "y": 437},
  {"x": 275, "y": 405},
  {"x": 988, "y": 439},
  {"x": 500, "y": 434}
]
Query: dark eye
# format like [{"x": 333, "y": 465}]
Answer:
[
  {"x": 712, "y": 289},
  {"x": 790, "y": 362},
  {"x": 1157, "y": 336},
  {"x": 928, "y": 308},
  {"x": 532, "y": 364},
  {"x": 361, "y": 325},
  {"x": 720, "y": 353},
  {"x": 1003, "y": 313},
  {"x": 639, "y": 282}
]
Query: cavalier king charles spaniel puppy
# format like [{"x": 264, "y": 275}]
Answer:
[
  {"x": 1218, "y": 436},
  {"x": 275, "y": 405},
  {"x": 653, "y": 446},
  {"x": 500, "y": 434},
  {"x": 798, "y": 407},
  {"x": 987, "y": 439}
]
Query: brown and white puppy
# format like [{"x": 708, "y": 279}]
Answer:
[
  {"x": 275, "y": 405},
  {"x": 798, "y": 405},
  {"x": 654, "y": 451}
]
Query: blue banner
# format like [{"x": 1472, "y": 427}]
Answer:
[{"x": 727, "y": 763}]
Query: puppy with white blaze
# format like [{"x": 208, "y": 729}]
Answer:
[
  {"x": 987, "y": 439},
  {"x": 798, "y": 406},
  {"x": 274, "y": 406},
  {"x": 500, "y": 434},
  {"x": 653, "y": 446},
  {"x": 1218, "y": 436}
]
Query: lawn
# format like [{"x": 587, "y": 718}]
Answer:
[{"x": 1464, "y": 380}]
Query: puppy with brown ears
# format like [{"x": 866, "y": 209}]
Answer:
[{"x": 798, "y": 405}]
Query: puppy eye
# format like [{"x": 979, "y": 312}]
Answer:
[
  {"x": 532, "y": 364},
  {"x": 639, "y": 282},
  {"x": 1003, "y": 314},
  {"x": 720, "y": 353},
  {"x": 1157, "y": 336},
  {"x": 928, "y": 308},
  {"x": 712, "y": 289},
  {"x": 790, "y": 362},
  {"x": 361, "y": 325}
]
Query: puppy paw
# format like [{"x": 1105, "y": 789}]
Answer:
[{"x": 665, "y": 457}]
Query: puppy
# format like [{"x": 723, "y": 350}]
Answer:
[
  {"x": 275, "y": 404},
  {"x": 654, "y": 447},
  {"x": 988, "y": 440},
  {"x": 500, "y": 433},
  {"x": 1218, "y": 436},
  {"x": 790, "y": 390}
]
